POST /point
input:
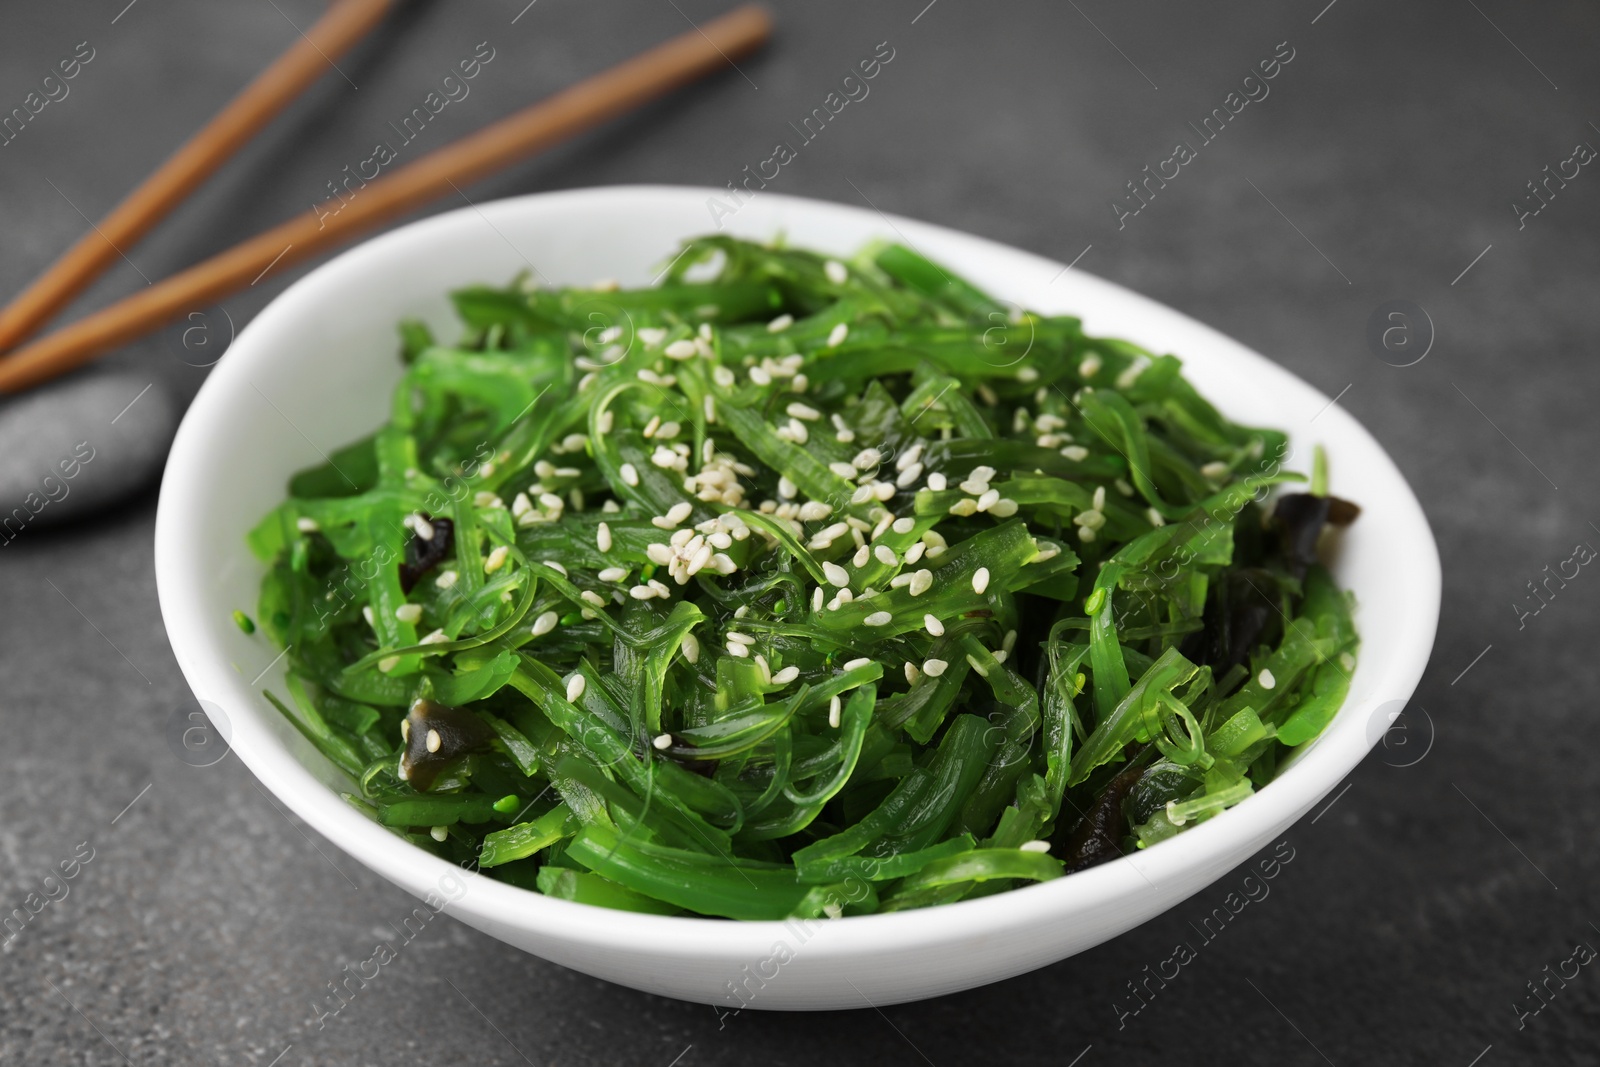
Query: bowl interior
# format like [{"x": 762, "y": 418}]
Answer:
[{"x": 315, "y": 369}]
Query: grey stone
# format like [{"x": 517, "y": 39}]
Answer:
[{"x": 74, "y": 446}]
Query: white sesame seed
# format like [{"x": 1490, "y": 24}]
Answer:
[
  {"x": 886, "y": 555},
  {"x": 660, "y": 589},
  {"x": 1090, "y": 365},
  {"x": 937, "y": 482},
  {"x": 1076, "y": 453},
  {"x": 988, "y": 500},
  {"x": 913, "y": 676},
  {"x": 817, "y": 597},
  {"x": 933, "y": 625},
  {"x": 980, "y": 580},
  {"x": 1347, "y": 661},
  {"x": 904, "y": 525},
  {"x": 680, "y": 349},
  {"x": 439, "y": 833},
  {"x": 933, "y": 668},
  {"x": 878, "y": 618},
  {"x": 593, "y": 599},
  {"x": 388, "y": 663},
  {"x": 921, "y": 582},
  {"x": 308, "y": 525},
  {"x": 803, "y": 411},
  {"x": 1155, "y": 517},
  {"x": 691, "y": 648},
  {"x": 837, "y": 335},
  {"x": 787, "y": 489},
  {"x": 781, "y": 323},
  {"x": 446, "y": 579},
  {"x": 1215, "y": 470},
  {"x": 662, "y": 742},
  {"x": 723, "y": 376},
  {"x": 836, "y": 575},
  {"x": 1266, "y": 679},
  {"x": 851, "y": 665},
  {"x": 613, "y": 574},
  {"x": 814, "y": 510},
  {"x": 1003, "y": 508},
  {"x": 739, "y": 638},
  {"x": 545, "y": 623},
  {"x": 759, "y": 376},
  {"x": 575, "y": 687},
  {"x": 867, "y": 458},
  {"x": 843, "y": 470},
  {"x": 408, "y": 612},
  {"x": 423, "y": 527},
  {"x": 1027, "y": 374},
  {"x": 651, "y": 426},
  {"x": 437, "y": 637},
  {"x": 964, "y": 507},
  {"x": 835, "y": 707},
  {"x": 602, "y": 537},
  {"x": 497, "y": 559},
  {"x": 785, "y": 676},
  {"x": 366, "y": 613},
  {"x": 741, "y": 651},
  {"x": 630, "y": 474},
  {"x": 836, "y": 272},
  {"x": 1034, "y": 846},
  {"x": 434, "y": 742}
]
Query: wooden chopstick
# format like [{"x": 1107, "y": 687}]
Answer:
[
  {"x": 650, "y": 74},
  {"x": 341, "y": 26}
]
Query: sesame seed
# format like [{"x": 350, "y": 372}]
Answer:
[
  {"x": 914, "y": 553},
  {"x": 691, "y": 648},
  {"x": 437, "y": 637},
  {"x": 662, "y": 742},
  {"x": 630, "y": 474},
  {"x": 408, "y": 612},
  {"x": 988, "y": 500},
  {"x": 908, "y": 476},
  {"x": 835, "y": 707},
  {"x": 680, "y": 349},
  {"x": 660, "y": 589},
  {"x": 388, "y": 663},
  {"x": 853, "y": 664},
  {"x": 785, "y": 676},
  {"x": 545, "y": 623},
  {"x": 886, "y": 556},
  {"x": 1076, "y": 453},
  {"x": 787, "y": 489},
  {"x": 497, "y": 559},
  {"x": 867, "y": 458},
  {"x": 781, "y": 323},
  {"x": 878, "y": 618},
  {"x": 972, "y": 661},
  {"x": 434, "y": 741},
  {"x": 602, "y": 537},
  {"x": 1027, "y": 374},
  {"x": 1266, "y": 679},
  {"x": 836, "y": 273},
  {"x": 446, "y": 579},
  {"x": 575, "y": 687},
  {"x": 1090, "y": 365},
  {"x": 837, "y": 335},
  {"x": 366, "y": 613},
  {"x": 817, "y": 596},
  {"x": 593, "y": 599},
  {"x": 1099, "y": 498},
  {"x": 933, "y": 625},
  {"x": 964, "y": 507},
  {"x": 739, "y": 638},
  {"x": 913, "y": 676},
  {"x": 836, "y": 575},
  {"x": 1155, "y": 517},
  {"x": 904, "y": 525},
  {"x": 1034, "y": 846},
  {"x": 803, "y": 411},
  {"x": 306, "y": 525},
  {"x": 1215, "y": 470},
  {"x": 741, "y": 651},
  {"x": 980, "y": 580},
  {"x": 759, "y": 376},
  {"x": 613, "y": 574},
  {"x": 723, "y": 376},
  {"x": 1086, "y": 533},
  {"x": 933, "y": 668},
  {"x": 651, "y": 426},
  {"x": 1003, "y": 508},
  {"x": 921, "y": 582},
  {"x": 423, "y": 527},
  {"x": 814, "y": 510},
  {"x": 439, "y": 833},
  {"x": 937, "y": 482},
  {"x": 1347, "y": 661}
]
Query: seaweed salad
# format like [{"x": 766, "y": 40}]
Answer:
[{"x": 799, "y": 586}]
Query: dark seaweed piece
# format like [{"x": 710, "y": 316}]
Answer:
[
  {"x": 1098, "y": 835},
  {"x": 424, "y": 554},
  {"x": 1298, "y": 519},
  {"x": 435, "y": 736}
]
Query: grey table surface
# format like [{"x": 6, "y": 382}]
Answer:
[{"x": 1456, "y": 867}]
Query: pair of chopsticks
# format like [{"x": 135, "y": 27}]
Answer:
[{"x": 646, "y": 76}]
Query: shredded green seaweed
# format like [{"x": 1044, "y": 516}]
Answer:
[{"x": 814, "y": 588}]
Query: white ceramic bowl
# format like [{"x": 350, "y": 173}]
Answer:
[{"x": 314, "y": 370}]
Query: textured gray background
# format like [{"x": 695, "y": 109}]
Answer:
[{"x": 1415, "y": 909}]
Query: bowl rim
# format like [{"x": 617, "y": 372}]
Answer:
[{"x": 1317, "y": 768}]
